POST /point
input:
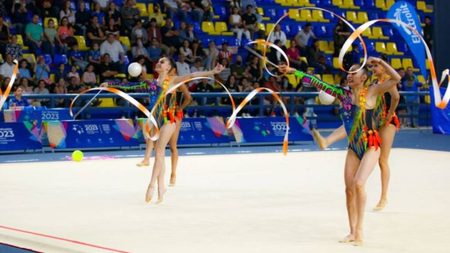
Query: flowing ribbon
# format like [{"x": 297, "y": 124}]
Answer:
[
  {"x": 141, "y": 107},
  {"x": 4, "y": 95},
  {"x": 232, "y": 119}
]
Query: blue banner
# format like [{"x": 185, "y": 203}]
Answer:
[
  {"x": 19, "y": 136},
  {"x": 440, "y": 117},
  {"x": 270, "y": 129},
  {"x": 203, "y": 131},
  {"x": 91, "y": 133},
  {"x": 405, "y": 12},
  {"x": 35, "y": 114}
]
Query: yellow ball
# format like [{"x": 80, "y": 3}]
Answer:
[{"x": 77, "y": 156}]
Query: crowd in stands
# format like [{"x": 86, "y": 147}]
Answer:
[{"x": 69, "y": 46}]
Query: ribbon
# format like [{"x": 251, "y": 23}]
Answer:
[{"x": 4, "y": 96}]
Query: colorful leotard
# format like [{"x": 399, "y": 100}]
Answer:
[{"x": 360, "y": 124}]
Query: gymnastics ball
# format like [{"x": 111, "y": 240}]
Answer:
[
  {"x": 77, "y": 156},
  {"x": 134, "y": 69},
  {"x": 325, "y": 98}
]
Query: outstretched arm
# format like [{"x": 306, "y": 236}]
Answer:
[{"x": 216, "y": 70}]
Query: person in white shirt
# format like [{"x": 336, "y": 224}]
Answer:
[
  {"x": 303, "y": 36},
  {"x": 182, "y": 66},
  {"x": 112, "y": 47},
  {"x": 278, "y": 34},
  {"x": 237, "y": 27},
  {"x": 6, "y": 69}
]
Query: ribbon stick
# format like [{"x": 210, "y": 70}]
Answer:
[{"x": 4, "y": 96}]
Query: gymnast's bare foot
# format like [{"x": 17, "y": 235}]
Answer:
[
  {"x": 161, "y": 192},
  {"x": 143, "y": 163},
  {"x": 173, "y": 179},
  {"x": 381, "y": 205},
  {"x": 149, "y": 194},
  {"x": 348, "y": 238},
  {"x": 357, "y": 243},
  {"x": 319, "y": 139},
  {"x": 358, "y": 238}
]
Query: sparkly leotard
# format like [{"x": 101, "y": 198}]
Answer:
[{"x": 361, "y": 125}]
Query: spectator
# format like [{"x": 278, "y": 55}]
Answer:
[
  {"x": 254, "y": 71},
  {"x": 157, "y": 15},
  {"x": 237, "y": 68},
  {"x": 60, "y": 88},
  {"x": 129, "y": 15},
  {"x": 48, "y": 9},
  {"x": 112, "y": 13},
  {"x": 113, "y": 48},
  {"x": 226, "y": 72},
  {"x": 41, "y": 70},
  {"x": 278, "y": 34},
  {"x": 24, "y": 71},
  {"x": 112, "y": 27},
  {"x": 74, "y": 86},
  {"x": 68, "y": 13},
  {"x": 274, "y": 55},
  {"x": 237, "y": 26},
  {"x": 170, "y": 36},
  {"x": 294, "y": 57},
  {"x": 18, "y": 100},
  {"x": 341, "y": 33},
  {"x": 187, "y": 32},
  {"x": 107, "y": 69},
  {"x": 175, "y": 8},
  {"x": 35, "y": 35},
  {"x": 103, "y": 3},
  {"x": 197, "y": 67},
  {"x": 310, "y": 101},
  {"x": 66, "y": 33},
  {"x": 182, "y": 66},
  {"x": 95, "y": 32},
  {"x": 41, "y": 90},
  {"x": 186, "y": 51},
  {"x": 197, "y": 51},
  {"x": 76, "y": 58},
  {"x": 82, "y": 16},
  {"x": 73, "y": 73},
  {"x": 14, "y": 49},
  {"x": 19, "y": 13},
  {"x": 26, "y": 85},
  {"x": 61, "y": 72},
  {"x": 153, "y": 31},
  {"x": 412, "y": 101},
  {"x": 303, "y": 38},
  {"x": 428, "y": 32},
  {"x": 139, "y": 32},
  {"x": 249, "y": 18},
  {"x": 224, "y": 52},
  {"x": 154, "y": 51},
  {"x": 4, "y": 36},
  {"x": 6, "y": 69},
  {"x": 212, "y": 55},
  {"x": 99, "y": 14},
  {"x": 51, "y": 35},
  {"x": 138, "y": 49},
  {"x": 258, "y": 33}
]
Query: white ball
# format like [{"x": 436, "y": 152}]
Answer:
[
  {"x": 325, "y": 98},
  {"x": 135, "y": 69}
]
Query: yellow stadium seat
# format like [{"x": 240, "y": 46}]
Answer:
[
  {"x": 421, "y": 79},
  {"x": 396, "y": 63},
  {"x": 282, "y": 2},
  {"x": 208, "y": 27},
  {"x": 294, "y": 14},
  {"x": 349, "y": 4},
  {"x": 380, "y": 47},
  {"x": 368, "y": 33},
  {"x": 407, "y": 62},
  {"x": 381, "y": 4},
  {"x": 261, "y": 26},
  {"x": 142, "y": 9},
  {"x": 222, "y": 28},
  {"x": 351, "y": 16},
  {"x": 305, "y": 15},
  {"x": 20, "y": 42},
  {"x": 362, "y": 17},
  {"x": 31, "y": 58},
  {"x": 378, "y": 33},
  {"x": 421, "y": 5},
  {"x": 269, "y": 27},
  {"x": 55, "y": 21},
  {"x": 81, "y": 43},
  {"x": 125, "y": 41},
  {"x": 304, "y": 59},
  {"x": 305, "y": 3},
  {"x": 317, "y": 15},
  {"x": 391, "y": 48},
  {"x": 337, "y": 78},
  {"x": 389, "y": 3},
  {"x": 107, "y": 102},
  {"x": 328, "y": 78},
  {"x": 337, "y": 3},
  {"x": 150, "y": 9},
  {"x": 427, "y": 64},
  {"x": 336, "y": 62}
]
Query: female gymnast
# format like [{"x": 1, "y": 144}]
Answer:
[
  {"x": 183, "y": 99},
  {"x": 389, "y": 125},
  {"x": 360, "y": 112},
  {"x": 165, "y": 115}
]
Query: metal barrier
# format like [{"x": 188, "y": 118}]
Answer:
[{"x": 215, "y": 103}]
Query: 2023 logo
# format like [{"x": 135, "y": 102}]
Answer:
[{"x": 6, "y": 133}]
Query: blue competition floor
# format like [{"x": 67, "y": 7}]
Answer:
[{"x": 406, "y": 138}]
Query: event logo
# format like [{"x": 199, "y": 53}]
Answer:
[
  {"x": 402, "y": 13},
  {"x": 278, "y": 126},
  {"x": 6, "y": 133},
  {"x": 185, "y": 124},
  {"x": 48, "y": 115}
]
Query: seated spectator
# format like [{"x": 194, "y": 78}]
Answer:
[
  {"x": 35, "y": 35},
  {"x": 154, "y": 51},
  {"x": 95, "y": 32},
  {"x": 112, "y": 27},
  {"x": 18, "y": 100},
  {"x": 113, "y": 48},
  {"x": 278, "y": 34},
  {"x": 41, "y": 90},
  {"x": 7, "y": 68},
  {"x": 186, "y": 51},
  {"x": 237, "y": 26},
  {"x": 197, "y": 51},
  {"x": 139, "y": 32},
  {"x": 94, "y": 55},
  {"x": 66, "y": 33},
  {"x": 82, "y": 16},
  {"x": 73, "y": 73},
  {"x": 113, "y": 13},
  {"x": 139, "y": 49},
  {"x": 61, "y": 88},
  {"x": 157, "y": 15},
  {"x": 14, "y": 49},
  {"x": 89, "y": 78},
  {"x": 24, "y": 70},
  {"x": 74, "y": 86},
  {"x": 51, "y": 35},
  {"x": 107, "y": 69},
  {"x": 61, "y": 72},
  {"x": 41, "y": 69},
  {"x": 67, "y": 12},
  {"x": 99, "y": 14},
  {"x": 76, "y": 58},
  {"x": 129, "y": 14}
]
